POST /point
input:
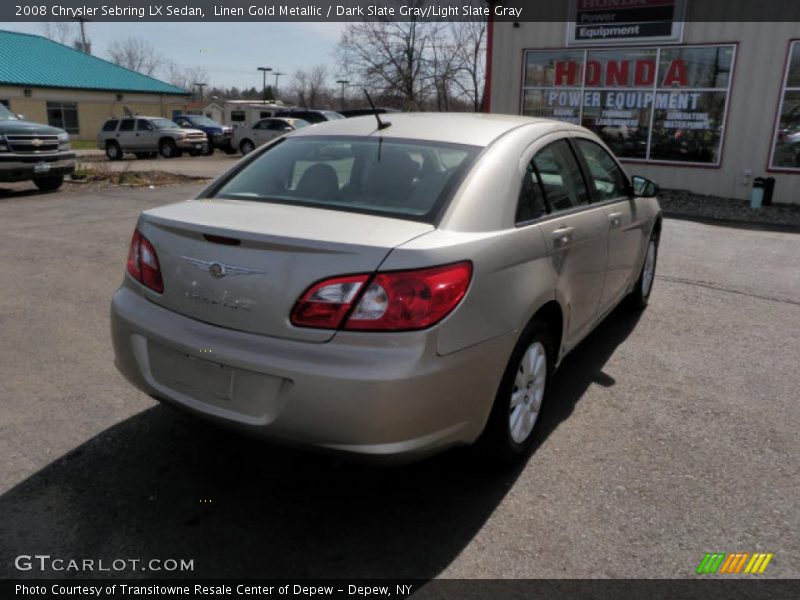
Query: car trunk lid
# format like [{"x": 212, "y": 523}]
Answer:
[{"x": 243, "y": 264}]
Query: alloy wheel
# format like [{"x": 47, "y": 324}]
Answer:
[{"x": 528, "y": 392}]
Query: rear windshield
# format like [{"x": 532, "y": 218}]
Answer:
[{"x": 398, "y": 178}]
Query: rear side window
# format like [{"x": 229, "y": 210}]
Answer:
[
  {"x": 564, "y": 187},
  {"x": 400, "y": 178},
  {"x": 604, "y": 174},
  {"x": 126, "y": 125},
  {"x": 142, "y": 125},
  {"x": 110, "y": 125},
  {"x": 531, "y": 203}
]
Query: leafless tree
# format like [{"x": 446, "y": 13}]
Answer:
[
  {"x": 424, "y": 65},
  {"x": 469, "y": 43},
  {"x": 390, "y": 58},
  {"x": 310, "y": 88},
  {"x": 136, "y": 54},
  {"x": 184, "y": 77},
  {"x": 61, "y": 32}
]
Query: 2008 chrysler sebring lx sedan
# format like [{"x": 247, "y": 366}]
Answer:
[{"x": 386, "y": 289}]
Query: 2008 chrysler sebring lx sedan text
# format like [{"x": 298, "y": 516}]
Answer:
[{"x": 387, "y": 289}]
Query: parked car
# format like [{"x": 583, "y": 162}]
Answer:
[
  {"x": 349, "y": 113},
  {"x": 33, "y": 152},
  {"x": 146, "y": 137},
  {"x": 219, "y": 136},
  {"x": 247, "y": 139},
  {"x": 387, "y": 292},
  {"x": 307, "y": 114}
]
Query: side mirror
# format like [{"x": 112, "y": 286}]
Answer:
[
  {"x": 21, "y": 117},
  {"x": 643, "y": 187}
]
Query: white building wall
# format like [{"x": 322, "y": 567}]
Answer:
[{"x": 753, "y": 102}]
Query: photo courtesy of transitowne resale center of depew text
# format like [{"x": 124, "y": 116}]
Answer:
[{"x": 459, "y": 299}]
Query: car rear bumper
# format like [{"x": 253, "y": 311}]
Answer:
[
  {"x": 20, "y": 167},
  {"x": 368, "y": 394}
]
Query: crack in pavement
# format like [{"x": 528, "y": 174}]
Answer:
[{"x": 714, "y": 286}]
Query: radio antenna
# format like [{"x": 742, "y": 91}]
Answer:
[{"x": 381, "y": 124}]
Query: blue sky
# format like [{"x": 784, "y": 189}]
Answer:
[{"x": 230, "y": 52}]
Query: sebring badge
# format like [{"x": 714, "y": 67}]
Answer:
[{"x": 219, "y": 269}]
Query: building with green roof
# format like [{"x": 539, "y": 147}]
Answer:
[{"x": 52, "y": 83}]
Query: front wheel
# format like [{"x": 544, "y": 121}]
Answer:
[
  {"x": 168, "y": 149},
  {"x": 208, "y": 150},
  {"x": 640, "y": 295},
  {"x": 49, "y": 184},
  {"x": 510, "y": 431}
]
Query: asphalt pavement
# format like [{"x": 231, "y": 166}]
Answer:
[{"x": 669, "y": 434}]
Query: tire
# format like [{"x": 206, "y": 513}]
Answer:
[
  {"x": 49, "y": 184},
  {"x": 246, "y": 147},
  {"x": 640, "y": 295},
  {"x": 209, "y": 149},
  {"x": 168, "y": 149},
  {"x": 511, "y": 429},
  {"x": 229, "y": 149},
  {"x": 113, "y": 151}
]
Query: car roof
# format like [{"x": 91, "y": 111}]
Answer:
[{"x": 474, "y": 129}]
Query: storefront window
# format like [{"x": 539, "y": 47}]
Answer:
[
  {"x": 658, "y": 104},
  {"x": 786, "y": 147}
]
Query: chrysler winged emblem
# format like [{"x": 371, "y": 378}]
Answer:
[{"x": 218, "y": 269}]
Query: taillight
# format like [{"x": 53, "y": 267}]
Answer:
[
  {"x": 391, "y": 301},
  {"x": 143, "y": 263}
]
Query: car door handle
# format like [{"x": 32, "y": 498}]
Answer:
[
  {"x": 563, "y": 235},
  {"x": 615, "y": 219}
]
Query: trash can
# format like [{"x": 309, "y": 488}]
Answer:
[
  {"x": 757, "y": 195},
  {"x": 769, "y": 188}
]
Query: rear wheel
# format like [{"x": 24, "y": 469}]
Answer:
[
  {"x": 113, "y": 151},
  {"x": 246, "y": 147},
  {"x": 510, "y": 431},
  {"x": 49, "y": 184},
  {"x": 640, "y": 295}
]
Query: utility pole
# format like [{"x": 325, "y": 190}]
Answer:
[
  {"x": 201, "y": 86},
  {"x": 344, "y": 82},
  {"x": 277, "y": 74},
  {"x": 264, "y": 80},
  {"x": 84, "y": 45}
]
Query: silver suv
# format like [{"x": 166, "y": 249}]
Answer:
[{"x": 147, "y": 137}]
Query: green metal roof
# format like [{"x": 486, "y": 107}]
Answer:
[{"x": 35, "y": 61}]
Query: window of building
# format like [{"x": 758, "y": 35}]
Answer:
[
  {"x": 63, "y": 115},
  {"x": 238, "y": 116},
  {"x": 648, "y": 104},
  {"x": 786, "y": 141}
]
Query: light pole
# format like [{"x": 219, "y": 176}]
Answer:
[
  {"x": 264, "y": 80},
  {"x": 201, "y": 86},
  {"x": 275, "y": 91},
  {"x": 343, "y": 82}
]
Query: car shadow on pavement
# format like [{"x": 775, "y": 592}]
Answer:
[{"x": 163, "y": 485}]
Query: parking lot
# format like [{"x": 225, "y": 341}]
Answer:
[{"x": 669, "y": 435}]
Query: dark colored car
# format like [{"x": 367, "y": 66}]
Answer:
[
  {"x": 33, "y": 152},
  {"x": 308, "y": 114},
  {"x": 219, "y": 135}
]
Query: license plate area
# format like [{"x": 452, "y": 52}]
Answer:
[
  {"x": 250, "y": 395},
  {"x": 41, "y": 168}
]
